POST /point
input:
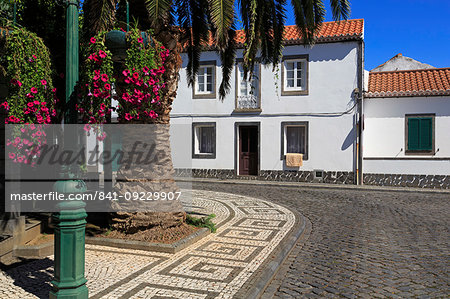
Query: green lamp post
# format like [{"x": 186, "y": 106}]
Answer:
[{"x": 69, "y": 280}]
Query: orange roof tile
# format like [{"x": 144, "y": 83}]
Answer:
[
  {"x": 423, "y": 82},
  {"x": 329, "y": 31}
]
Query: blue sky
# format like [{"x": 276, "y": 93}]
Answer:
[{"x": 419, "y": 29}]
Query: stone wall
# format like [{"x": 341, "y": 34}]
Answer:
[
  {"x": 403, "y": 180},
  {"x": 331, "y": 177}
]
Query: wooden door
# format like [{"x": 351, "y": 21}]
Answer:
[{"x": 248, "y": 150}]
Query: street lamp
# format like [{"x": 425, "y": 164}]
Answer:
[{"x": 69, "y": 280}]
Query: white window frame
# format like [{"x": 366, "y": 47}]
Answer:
[
  {"x": 196, "y": 135},
  {"x": 284, "y": 126},
  {"x": 295, "y": 90},
  {"x": 203, "y": 72},
  {"x": 250, "y": 83}
]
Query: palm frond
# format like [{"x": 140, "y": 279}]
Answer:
[
  {"x": 227, "y": 56},
  {"x": 159, "y": 11},
  {"x": 193, "y": 17},
  {"x": 340, "y": 9},
  {"x": 99, "y": 15},
  {"x": 309, "y": 15},
  {"x": 222, "y": 16}
]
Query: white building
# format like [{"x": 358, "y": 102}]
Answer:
[
  {"x": 406, "y": 139},
  {"x": 308, "y": 106}
]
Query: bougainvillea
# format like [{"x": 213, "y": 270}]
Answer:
[
  {"x": 141, "y": 81},
  {"x": 31, "y": 96}
]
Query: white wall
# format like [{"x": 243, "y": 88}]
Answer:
[
  {"x": 384, "y": 135},
  {"x": 332, "y": 79},
  {"x": 331, "y": 143}
]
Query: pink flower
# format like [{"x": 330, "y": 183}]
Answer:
[
  {"x": 128, "y": 116},
  {"x": 102, "y": 54},
  {"x": 107, "y": 86},
  {"x": 145, "y": 69},
  {"x": 87, "y": 127},
  {"x": 30, "y": 104},
  {"x": 104, "y": 77},
  {"x": 44, "y": 82},
  {"x": 136, "y": 75},
  {"x": 34, "y": 56},
  {"x": 12, "y": 155},
  {"x": 126, "y": 73},
  {"x": 140, "y": 39},
  {"x": 93, "y": 40},
  {"x": 97, "y": 93},
  {"x": 152, "y": 114}
]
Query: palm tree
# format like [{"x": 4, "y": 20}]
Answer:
[{"x": 194, "y": 25}]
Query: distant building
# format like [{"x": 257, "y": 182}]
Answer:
[
  {"x": 406, "y": 137},
  {"x": 400, "y": 62}
]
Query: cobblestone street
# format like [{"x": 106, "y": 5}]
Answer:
[{"x": 361, "y": 243}]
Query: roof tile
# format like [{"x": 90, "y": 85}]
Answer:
[
  {"x": 409, "y": 83},
  {"x": 329, "y": 31}
]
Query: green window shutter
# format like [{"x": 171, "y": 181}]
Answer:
[
  {"x": 426, "y": 134},
  {"x": 413, "y": 134}
]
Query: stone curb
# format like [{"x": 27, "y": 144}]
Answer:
[
  {"x": 157, "y": 247},
  {"x": 34, "y": 251},
  {"x": 270, "y": 268},
  {"x": 275, "y": 282},
  {"x": 313, "y": 185}
]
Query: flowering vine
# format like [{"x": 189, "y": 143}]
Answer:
[
  {"x": 31, "y": 96},
  {"x": 142, "y": 79},
  {"x": 96, "y": 81}
]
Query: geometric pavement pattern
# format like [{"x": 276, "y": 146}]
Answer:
[{"x": 217, "y": 266}]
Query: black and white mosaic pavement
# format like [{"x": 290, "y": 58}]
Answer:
[{"x": 218, "y": 266}]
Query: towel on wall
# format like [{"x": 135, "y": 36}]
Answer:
[{"x": 294, "y": 160}]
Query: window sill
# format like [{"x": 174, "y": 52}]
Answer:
[
  {"x": 420, "y": 153},
  {"x": 204, "y": 156},
  {"x": 246, "y": 110},
  {"x": 294, "y": 92},
  {"x": 204, "y": 96}
]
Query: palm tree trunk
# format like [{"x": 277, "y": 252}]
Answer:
[{"x": 157, "y": 176}]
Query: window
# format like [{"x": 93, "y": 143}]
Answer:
[
  {"x": 204, "y": 140},
  {"x": 247, "y": 92},
  {"x": 294, "y": 138},
  {"x": 420, "y": 133},
  {"x": 205, "y": 83},
  {"x": 294, "y": 75}
]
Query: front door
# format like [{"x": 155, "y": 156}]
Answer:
[{"x": 248, "y": 150}]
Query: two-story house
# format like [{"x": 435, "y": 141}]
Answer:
[{"x": 308, "y": 105}]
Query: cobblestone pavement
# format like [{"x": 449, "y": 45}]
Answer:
[
  {"x": 220, "y": 265},
  {"x": 361, "y": 243}
]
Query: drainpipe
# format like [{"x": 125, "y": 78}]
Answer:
[{"x": 360, "y": 117}]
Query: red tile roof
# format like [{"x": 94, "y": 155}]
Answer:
[
  {"x": 329, "y": 31},
  {"x": 423, "y": 82}
]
